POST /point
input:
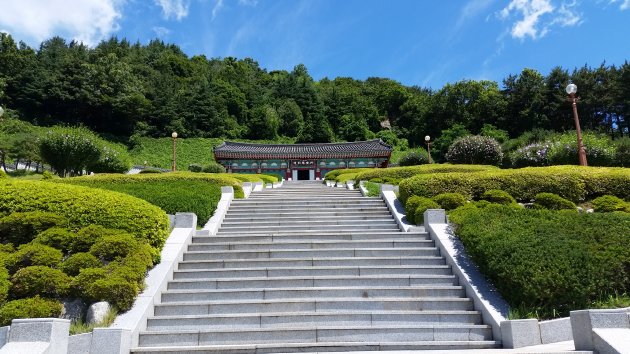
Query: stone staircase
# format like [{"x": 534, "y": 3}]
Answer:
[{"x": 309, "y": 268}]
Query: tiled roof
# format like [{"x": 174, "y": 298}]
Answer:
[{"x": 234, "y": 150}]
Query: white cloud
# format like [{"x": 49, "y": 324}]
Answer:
[
  {"x": 248, "y": 2},
  {"x": 625, "y": 4},
  {"x": 177, "y": 9},
  {"x": 217, "y": 7},
  {"x": 538, "y": 16},
  {"x": 161, "y": 32},
  {"x": 88, "y": 21}
]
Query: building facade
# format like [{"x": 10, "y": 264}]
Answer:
[{"x": 301, "y": 161}]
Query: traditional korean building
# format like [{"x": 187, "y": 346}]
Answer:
[{"x": 301, "y": 161}]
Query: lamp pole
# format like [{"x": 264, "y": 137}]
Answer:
[
  {"x": 174, "y": 136},
  {"x": 1, "y": 113},
  {"x": 571, "y": 89},
  {"x": 427, "y": 139}
]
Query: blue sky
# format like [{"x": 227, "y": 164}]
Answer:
[{"x": 417, "y": 42}]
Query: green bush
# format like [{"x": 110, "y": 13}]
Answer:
[
  {"x": 622, "y": 152},
  {"x": 173, "y": 192},
  {"x": 109, "y": 248},
  {"x": 332, "y": 175},
  {"x": 33, "y": 254},
  {"x": 531, "y": 155},
  {"x": 563, "y": 149},
  {"x": 571, "y": 182},
  {"x": 413, "y": 158},
  {"x": 214, "y": 167},
  {"x": 56, "y": 237},
  {"x": 84, "y": 206},
  {"x": 40, "y": 280},
  {"x": 3, "y": 175},
  {"x": 195, "y": 168},
  {"x": 450, "y": 201},
  {"x": 425, "y": 203},
  {"x": 47, "y": 175},
  {"x": 35, "y": 307},
  {"x": 81, "y": 283},
  {"x": 5, "y": 284},
  {"x": 575, "y": 259},
  {"x": 115, "y": 290},
  {"x": 476, "y": 150},
  {"x": 399, "y": 173},
  {"x": 410, "y": 207},
  {"x": 73, "y": 264},
  {"x": 69, "y": 150},
  {"x": 497, "y": 196},
  {"x": 415, "y": 207},
  {"x": 113, "y": 159},
  {"x": 610, "y": 203},
  {"x": 19, "y": 228},
  {"x": 87, "y": 236},
  {"x": 553, "y": 202}
]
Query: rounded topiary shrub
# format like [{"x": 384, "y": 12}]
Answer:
[
  {"x": 113, "y": 247},
  {"x": 87, "y": 236},
  {"x": 497, "y": 196},
  {"x": 73, "y": 264},
  {"x": 214, "y": 167},
  {"x": 56, "y": 237},
  {"x": 87, "y": 276},
  {"x": 33, "y": 254},
  {"x": 410, "y": 207},
  {"x": 34, "y": 307},
  {"x": 476, "y": 149},
  {"x": 195, "y": 167},
  {"x": 20, "y": 228},
  {"x": 450, "y": 201},
  {"x": 40, "y": 280},
  {"x": 416, "y": 157},
  {"x": 610, "y": 203},
  {"x": 115, "y": 290},
  {"x": 425, "y": 203},
  {"x": 553, "y": 202}
]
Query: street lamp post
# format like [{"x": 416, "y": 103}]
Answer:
[
  {"x": 174, "y": 136},
  {"x": 1, "y": 113},
  {"x": 571, "y": 90},
  {"x": 427, "y": 139}
]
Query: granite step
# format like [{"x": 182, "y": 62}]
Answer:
[
  {"x": 321, "y": 236},
  {"x": 319, "y": 293},
  {"x": 283, "y": 319},
  {"x": 391, "y": 225},
  {"x": 200, "y": 307},
  {"x": 392, "y": 333},
  {"x": 309, "y": 271},
  {"x": 444, "y": 347},
  {"x": 319, "y": 244},
  {"x": 311, "y": 253},
  {"x": 312, "y": 281},
  {"x": 312, "y": 262}
]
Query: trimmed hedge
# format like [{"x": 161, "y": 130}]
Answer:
[
  {"x": 19, "y": 228},
  {"x": 173, "y": 192},
  {"x": 84, "y": 206},
  {"x": 424, "y": 204},
  {"x": 580, "y": 257},
  {"x": 553, "y": 202},
  {"x": 610, "y": 203},
  {"x": 399, "y": 173},
  {"x": 40, "y": 280},
  {"x": 498, "y": 196},
  {"x": 35, "y": 307},
  {"x": 33, "y": 254},
  {"x": 73, "y": 264},
  {"x": 570, "y": 182},
  {"x": 332, "y": 175},
  {"x": 450, "y": 201}
]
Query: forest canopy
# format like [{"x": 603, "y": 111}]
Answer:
[{"x": 123, "y": 89}]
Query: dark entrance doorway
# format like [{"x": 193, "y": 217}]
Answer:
[{"x": 303, "y": 175}]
